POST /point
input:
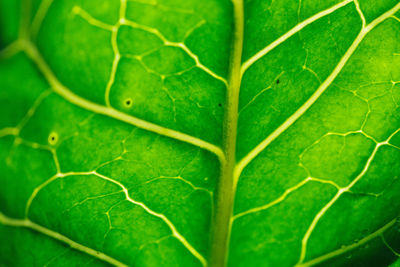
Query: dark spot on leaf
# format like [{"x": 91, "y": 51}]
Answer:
[
  {"x": 128, "y": 102},
  {"x": 219, "y": 105},
  {"x": 53, "y": 138},
  {"x": 277, "y": 81}
]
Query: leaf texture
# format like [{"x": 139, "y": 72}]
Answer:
[{"x": 199, "y": 133}]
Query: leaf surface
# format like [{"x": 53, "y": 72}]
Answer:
[{"x": 195, "y": 133}]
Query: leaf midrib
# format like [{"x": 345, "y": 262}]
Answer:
[
  {"x": 226, "y": 190},
  {"x": 231, "y": 171}
]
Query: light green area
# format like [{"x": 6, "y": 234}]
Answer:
[
  {"x": 145, "y": 41},
  {"x": 115, "y": 117},
  {"x": 396, "y": 263}
]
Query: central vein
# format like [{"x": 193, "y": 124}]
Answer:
[{"x": 225, "y": 189}]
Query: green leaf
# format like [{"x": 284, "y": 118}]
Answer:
[
  {"x": 396, "y": 263},
  {"x": 195, "y": 133}
]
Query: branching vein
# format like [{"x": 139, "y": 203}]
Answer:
[
  {"x": 315, "y": 96},
  {"x": 173, "y": 229},
  {"x": 348, "y": 248},
  {"x": 26, "y": 223},
  {"x": 290, "y": 33},
  {"x": 60, "y": 89},
  {"x": 230, "y": 172},
  {"x": 343, "y": 190},
  {"x": 362, "y": 17}
]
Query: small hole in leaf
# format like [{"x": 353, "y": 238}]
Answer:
[
  {"x": 128, "y": 102},
  {"x": 53, "y": 138}
]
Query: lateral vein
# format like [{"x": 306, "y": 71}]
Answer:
[
  {"x": 290, "y": 33},
  {"x": 173, "y": 229},
  {"x": 68, "y": 95},
  {"x": 11, "y": 50},
  {"x": 8, "y": 131},
  {"x": 125, "y": 190},
  {"x": 341, "y": 191},
  {"x": 348, "y": 248},
  {"x": 315, "y": 96},
  {"x": 39, "y": 17},
  {"x": 45, "y": 231}
]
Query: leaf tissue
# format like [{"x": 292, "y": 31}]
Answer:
[{"x": 199, "y": 133}]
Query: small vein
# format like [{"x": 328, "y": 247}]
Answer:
[
  {"x": 18, "y": 141},
  {"x": 174, "y": 231},
  {"x": 396, "y": 18},
  {"x": 45, "y": 231},
  {"x": 357, "y": 4},
  {"x": 79, "y": 203},
  {"x": 77, "y": 10},
  {"x": 261, "y": 92},
  {"x": 348, "y": 248},
  {"x": 11, "y": 50},
  {"x": 39, "y": 17},
  {"x": 68, "y": 95},
  {"x": 284, "y": 196},
  {"x": 33, "y": 108},
  {"x": 37, "y": 190},
  {"x": 330, "y": 203},
  {"x": 56, "y": 257},
  {"x": 312, "y": 73},
  {"x": 8, "y": 131},
  {"x": 274, "y": 202},
  {"x": 315, "y": 96},
  {"x": 117, "y": 57},
  {"x": 299, "y": 11},
  {"x": 122, "y": 9},
  {"x": 17, "y": 129},
  {"x": 290, "y": 33},
  {"x": 114, "y": 34},
  {"x": 389, "y": 246},
  {"x": 179, "y": 45},
  {"x": 195, "y": 27},
  {"x": 156, "y": 242},
  {"x": 298, "y": 113},
  {"x": 180, "y": 178},
  {"x": 337, "y": 196},
  {"x": 324, "y": 181}
]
